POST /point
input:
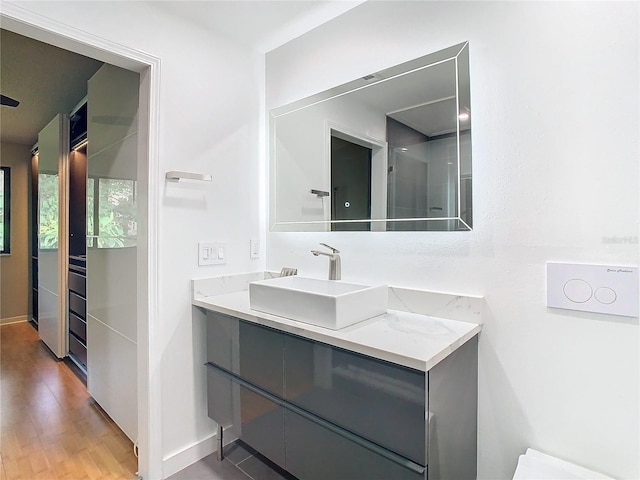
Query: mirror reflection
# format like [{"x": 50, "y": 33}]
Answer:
[{"x": 388, "y": 152}]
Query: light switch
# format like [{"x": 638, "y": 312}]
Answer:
[
  {"x": 211, "y": 253},
  {"x": 254, "y": 248},
  {"x": 593, "y": 288}
]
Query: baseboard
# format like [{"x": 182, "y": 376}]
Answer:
[
  {"x": 8, "y": 320},
  {"x": 177, "y": 461}
]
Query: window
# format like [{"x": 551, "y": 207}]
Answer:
[
  {"x": 48, "y": 211},
  {"x": 114, "y": 213},
  {"x": 5, "y": 209}
]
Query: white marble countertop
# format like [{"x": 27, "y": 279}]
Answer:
[{"x": 410, "y": 339}]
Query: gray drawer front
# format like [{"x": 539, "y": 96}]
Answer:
[
  {"x": 256, "y": 419},
  {"x": 78, "y": 349},
  {"x": 382, "y": 402},
  {"x": 261, "y": 357},
  {"x": 78, "y": 283},
  {"x": 262, "y": 425},
  {"x": 316, "y": 453},
  {"x": 78, "y": 326},
  {"x": 259, "y": 361},
  {"x": 78, "y": 305}
]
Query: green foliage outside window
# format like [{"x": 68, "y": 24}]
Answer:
[
  {"x": 115, "y": 212},
  {"x": 48, "y": 210},
  {"x": 117, "y": 207}
]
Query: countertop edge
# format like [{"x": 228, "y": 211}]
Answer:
[{"x": 312, "y": 333}]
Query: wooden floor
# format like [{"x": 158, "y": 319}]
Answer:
[{"x": 50, "y": 428}]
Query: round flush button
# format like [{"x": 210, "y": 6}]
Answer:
[
  {"x": 578, "y": 291},
  {"x": 606, "y": 295}
]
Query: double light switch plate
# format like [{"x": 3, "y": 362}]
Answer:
[{"x": 605, "y": 289}]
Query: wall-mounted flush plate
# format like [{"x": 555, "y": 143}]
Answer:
[
  {"x": 254, "y": 248},
  {"x": 593, "y": 288},
  {"x": 212, "y": 253}
]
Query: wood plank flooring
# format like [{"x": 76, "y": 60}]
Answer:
[{"x": 50, "y": 427}]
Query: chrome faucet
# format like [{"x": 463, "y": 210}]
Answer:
[{"x": 334, "y": 261}]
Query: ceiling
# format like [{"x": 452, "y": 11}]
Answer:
[
  {"x": 49, "y": 80},
  {"x": 45, "y": 80}
]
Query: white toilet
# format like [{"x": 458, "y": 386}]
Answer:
[{"x": 534, "y": 465}]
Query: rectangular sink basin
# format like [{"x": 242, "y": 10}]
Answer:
[{"x": 325, "y": 303}]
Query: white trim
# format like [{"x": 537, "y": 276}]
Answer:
[
  {"x": 10, "y": 320},
  {"x": 177, "y": 461},
  {"x": 30, "y": 24}
]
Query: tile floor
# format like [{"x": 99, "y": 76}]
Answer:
[{"x": 241, "y": 462}]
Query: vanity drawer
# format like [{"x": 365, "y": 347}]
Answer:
[
  {"x": 377, "y": 400},
  {"x": 316, "y": 453},
  {"x": 250, "y": 351},
  {"x": 78, "y": 305},
  {"x": 257, "y": 418}
]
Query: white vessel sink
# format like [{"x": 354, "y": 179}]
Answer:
[{"x": 325, "y": 303}]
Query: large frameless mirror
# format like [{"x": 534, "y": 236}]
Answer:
[{"x": 387, "y": 152}]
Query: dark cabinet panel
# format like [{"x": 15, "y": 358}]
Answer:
[
  {"x": 78, "y": 283},
  {"x": 322, "y": 412},
  {"x": 78, "y": 349},
  {"x": 252, "y": 352},
  {"x": 317, "y": 453},
  {"x": 77, "y": 305},
  {"x": 377, "y": 400},
  {"x": 262, "y": 425},
  {"x": 78, "y": 327},
  {"x": 249, "y": 412},
  {"x": 261, "y": 357},
  {"x": 77, "y": 203}
]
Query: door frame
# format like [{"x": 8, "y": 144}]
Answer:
[{"x": 32, "y": 25}]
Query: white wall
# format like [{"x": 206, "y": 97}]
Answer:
[
  {"x": 14, "y": 267},
  {"x": 554, "y": 93},
  {"x": 209, "y": 122}
]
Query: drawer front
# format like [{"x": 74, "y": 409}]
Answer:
[
  {"x": 262, "y": 425},
  {"x": 78, "y": 305},
  {"x": 252, "y": 352},
  {"x": 316, "y": 453},
  {"x": 78, "y": 283},
  {"x": 261, "y": 357},
  {"x": 78, "y": 349},
  {"x": 377, "y": 400},
  {"x": 251, "y": 416},
  {"x": 78, "y": 327}
]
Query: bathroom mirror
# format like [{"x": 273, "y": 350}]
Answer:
[{"x": 387, "y": 152}]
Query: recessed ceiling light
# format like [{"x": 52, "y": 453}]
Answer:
[{"x": 463, "y": 116}]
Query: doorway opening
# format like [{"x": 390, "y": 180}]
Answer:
[
  {"x": 358, "y": 176},
  {"x": 29, "y": 24}
]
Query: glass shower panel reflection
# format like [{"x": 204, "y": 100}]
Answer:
[{"x": 423, "y": 183}]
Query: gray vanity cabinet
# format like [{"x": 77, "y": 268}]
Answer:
[
  {"x": 376, "y": 400},
  {"x": 322, "y": 412},
  {"x": 250, "y": 415}
]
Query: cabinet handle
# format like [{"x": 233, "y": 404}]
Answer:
[{"x": 363, "y": 442}]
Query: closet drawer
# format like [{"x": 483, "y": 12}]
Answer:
[
  {"x": 78, "y": 283},
  {"x": 78, "y": 305},
  {"x": 377, "y": 400},
  {"x": 78, "y": 327},
  {"x": 78, "y": 349}
]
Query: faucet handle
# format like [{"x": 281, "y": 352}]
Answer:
[{"x": 333, "y": 250}]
